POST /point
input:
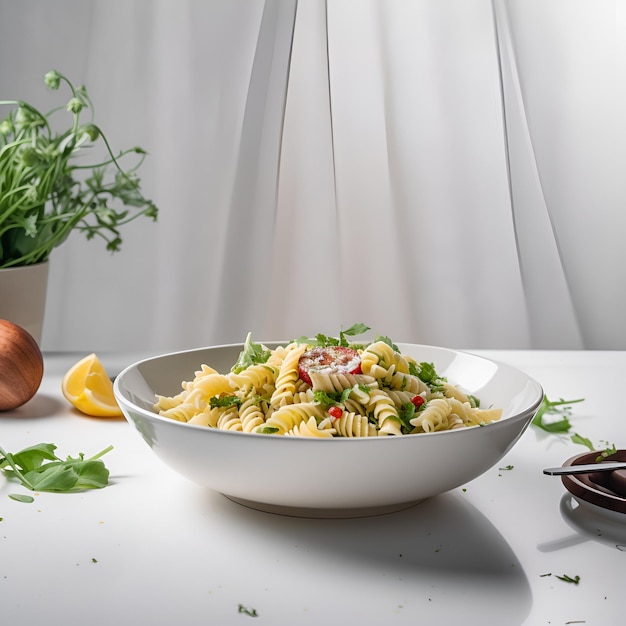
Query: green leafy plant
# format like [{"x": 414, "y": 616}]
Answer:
[
  {"x": 47, "y": 190},
  {"x": 38, "y": 468}
]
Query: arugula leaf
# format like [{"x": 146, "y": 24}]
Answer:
[
  {"x": 474, "y": 401},
  {"x": 38, "y": 468},
  {"x": 576, "y": 438},
  {"x": 252, "y": 354},
  {"x": 353, "y": 331},
  {"x": 224, "y": 401},
  {"x": 427, "y": 373},
  {"x": 324, "y": 341},
  {"x": 388, "y": 341},
  {"x": 406, "y": 413},
  {"x": 557, "y": 407}
]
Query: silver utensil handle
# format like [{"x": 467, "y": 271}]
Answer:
[{"x": 585, "y": 469}]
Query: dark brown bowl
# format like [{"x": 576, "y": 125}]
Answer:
[{"x": 604, "y": 489}]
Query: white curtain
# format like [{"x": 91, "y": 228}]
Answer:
[{"x": 446, "y": 171}]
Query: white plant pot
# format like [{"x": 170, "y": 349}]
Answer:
[{"x": 23, "y": 296}]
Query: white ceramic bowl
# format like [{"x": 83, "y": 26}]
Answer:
[{"x": 339, "y": 477}]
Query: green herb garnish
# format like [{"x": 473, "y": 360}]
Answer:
[
  {"x": 266, "y": 430},
  {"x": 568, "y": 579},
  {"x": 559, "y": 407},
  {"x": 608, "y": 451},
  {"x": 583, "y": 441},
  {"x": 38, "y": 468},
  {"x": 324, "y": 341},
  {"x": 331, "y": 398},
  {"x": 388, "y": 341},
  {"x": 247, "y": 611},
  {"x": 406, "y": 413},
  {"x": 224, "y": 401},
  {"x": 252, "y": 354}
]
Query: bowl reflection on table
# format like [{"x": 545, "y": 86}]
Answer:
[{"x": 338, "y": 477}]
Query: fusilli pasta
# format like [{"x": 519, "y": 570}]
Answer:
[{"x": 390, "y": 394}]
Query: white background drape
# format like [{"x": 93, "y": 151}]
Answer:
[{"x": 447, "y": 172}]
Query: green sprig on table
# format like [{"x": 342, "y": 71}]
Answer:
[{"x": 38, "y": 468}]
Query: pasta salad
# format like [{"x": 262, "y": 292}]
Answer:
[{"x": 325, "y": 387}]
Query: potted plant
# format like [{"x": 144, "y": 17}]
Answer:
[{"x": 53, "y": 183}]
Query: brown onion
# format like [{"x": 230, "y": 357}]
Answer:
[{"x": 21, "y": 366}]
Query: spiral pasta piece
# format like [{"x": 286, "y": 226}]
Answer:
[
  {"x": 352, "y": 424},
  {"x": 331, "y": 383},
  {"x": 287, "y": 376},
  {"x": 433, "y": 417},
  {"x": 181, "y": 412},
  {"x": 379, "y": 359},
  {"x": 258, "y": 379},
  {"x": 309, "y": 428},
  {"x": 229, "y": 419},
  {"x": 251, "y": 414},
  {"x": 287, "y": 416},
  {"x": 208, "y": 417},
  {"x": 207, "y": 387},
  {"x": 400, "y": 398},
  {"x": 451, "y": 391},
  {"x": 385, "y": 412},
  {"x": 405, "y": 382}
]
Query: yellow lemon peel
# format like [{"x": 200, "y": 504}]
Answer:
[{"x": 87, "y": 387}]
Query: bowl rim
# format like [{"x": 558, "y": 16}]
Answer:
[{"x": 525, "y": 415}]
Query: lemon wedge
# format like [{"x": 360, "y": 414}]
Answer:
[{"x": 87, "y": 386}]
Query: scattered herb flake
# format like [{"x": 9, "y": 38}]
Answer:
[
  {"x": 568, "y": 579},
  {"x": 507, "y": 467},
  {"x": 608, "y": 451},
  {"x": 247, "y": 611},
  {"x": 20, "y": 497}
]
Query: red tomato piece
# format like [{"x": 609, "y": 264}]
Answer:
[
  {"x": 329, "y": 360},
  {"x": 417, "y": 401},
  {"x": 335, "y": 412}
]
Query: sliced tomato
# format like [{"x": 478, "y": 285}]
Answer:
[{"x": 330, "y": 360}]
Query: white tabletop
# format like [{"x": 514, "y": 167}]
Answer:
[{"x": 154, "y": 548}]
